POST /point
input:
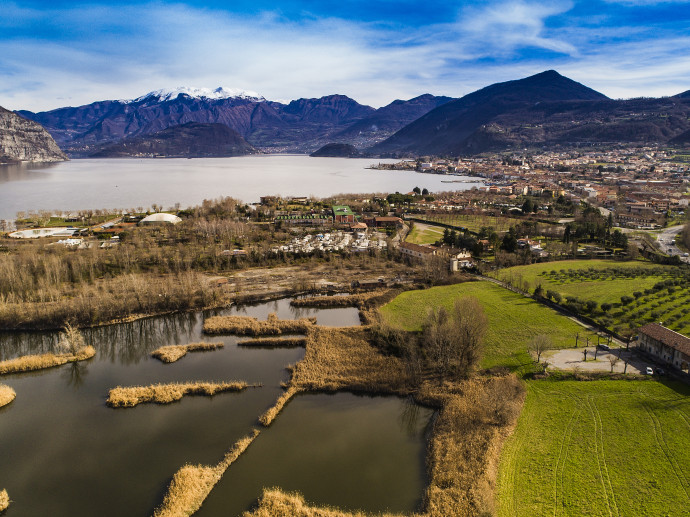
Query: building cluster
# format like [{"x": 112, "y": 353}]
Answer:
[
  {"x": 359, "y": 241},
  {"x": 640, "y": 186}
]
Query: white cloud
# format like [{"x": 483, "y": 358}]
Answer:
[{"x": 124, "y": 52}]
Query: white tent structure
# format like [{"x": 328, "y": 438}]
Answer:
[{"x": 160, "y": 218}]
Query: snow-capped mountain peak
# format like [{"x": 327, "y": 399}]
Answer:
[{"x": 167, "y": 94}]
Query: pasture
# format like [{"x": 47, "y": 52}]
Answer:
[
  {"x": 513, "y": 320},
  {"x": 598, "y": 448}
]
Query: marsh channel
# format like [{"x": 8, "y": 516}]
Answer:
[{"x": 64, "y": 452}]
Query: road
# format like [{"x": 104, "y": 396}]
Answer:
[{"x": 666, "y": 239}]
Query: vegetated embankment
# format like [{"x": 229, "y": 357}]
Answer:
[
  {"x": 4, "y": 500},
  {"x": 475, "y": 416},
  {"x": 7, "y": 395},
  {"x": 167, "y": 393},
  {"x": 172, "y": 353},
  {"x": 192, "y": 483},
  {"x": 248, "y": 326},
  {"x": 285, "y": 342},
  {"x": 349, "y": 300},
  {"x": 28, "y": 363}
]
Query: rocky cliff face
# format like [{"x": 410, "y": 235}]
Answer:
[{"x": 24, "y": 140}]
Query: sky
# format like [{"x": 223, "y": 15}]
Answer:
[{"x": 56, "y": 53}]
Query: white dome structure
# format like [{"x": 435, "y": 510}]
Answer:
[{"x": 160, "y": 218}]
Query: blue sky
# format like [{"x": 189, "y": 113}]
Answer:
[{"x": 58, "y": 53}]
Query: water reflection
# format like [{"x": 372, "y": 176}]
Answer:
[
  {"x": 131, "y": 342},
  {"x": 75, "y": 374},
  {"x": 24, "y": 172}
]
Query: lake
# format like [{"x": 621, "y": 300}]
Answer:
[
  {"x": 64, "y": 452},
  {"x": 131, "y": 183}
]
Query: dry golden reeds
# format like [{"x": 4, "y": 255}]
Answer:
[
  {"x": 349, "y": 300},
  {"x": 38, "y": 362},
  {"x": 248, "y": 326},
  {"x": 286, "y": 342},
  {"x": 192, "y": 483},
  {"x": 172, "y": 353},
  {"x": 276, "y": 503},
  {"x": 4, "y": 500},
  {"x": 7, "y": 395},
  {"x": 167, "y": 393}
]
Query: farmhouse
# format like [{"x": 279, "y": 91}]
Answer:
[
  {"x": 417, "y": 251},
  {"x": 666, "y": 345}
]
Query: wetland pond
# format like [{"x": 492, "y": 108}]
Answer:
[{"x": 64, "y": 452}]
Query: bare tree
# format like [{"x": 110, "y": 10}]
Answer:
[
  {"x": 539, "y": 344},
  {"x": 71, "y": 340},
  {"x": 453, "y": 340},
  {"x": 613, "y": 361}
]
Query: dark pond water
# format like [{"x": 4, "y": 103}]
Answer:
[{"x": 63, "y": 452}]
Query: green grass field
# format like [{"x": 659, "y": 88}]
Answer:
[
  {"x": 611, "y": 448},
  {"x": 606, "y": 282},
  {"x": 425, "y": 235},
  {"x": 513, "y": 320}
]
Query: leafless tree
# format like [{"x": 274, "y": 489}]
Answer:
[
  {"x": 539, "y": 344},
  {"x": 453, "y": 340},
  {"x": 613, "y": 361}
]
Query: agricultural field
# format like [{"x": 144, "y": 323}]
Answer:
[
  {"x": 513, "y": 320},
  {"x": 621, "y": 295},
  {"x": 474, "y": 223},
  {"x": 598, "y": 448},
  {"x": 423, "y": 234}
]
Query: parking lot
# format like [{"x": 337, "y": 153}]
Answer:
[{"x": 573, "y": 358}]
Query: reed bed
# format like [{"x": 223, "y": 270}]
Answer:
[
  {"x": 275, "y": 503},
  {"x": 286, "y": 342},
  {"x": 192, "y": 483},
  {"x": 172, "y": 353},
  {"x": 167, "y": 393},
  {"x": 475, "y": 416},
  {"x": 4, "y": 500},
  {"x": 248, "y": 326},
  {"x": 28, "y": 363},
  {"x": 7, "y": 395},
  {"x": 350, "y": 300}
]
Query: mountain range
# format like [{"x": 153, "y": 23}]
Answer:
[
  {"x": 546, "y": 109},
  {"x": 301, "y": 125}
]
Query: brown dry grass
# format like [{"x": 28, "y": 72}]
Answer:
[
  {"x": 286, "y": 342},
  {"x": 172, "y": 353},
  {"x": 4, "y": 500},
  {"x": 475, "y": 416},
  {"x": 192, "y": 483},
  {"x": 28, "y": 363},
  {"x": 7, "y": 395},
  {"x": 351, "y": 300},
  {"x": 167, "y": 393},
  {"x": 275, "y": 503},
  {"x": 248, "y": 326}
]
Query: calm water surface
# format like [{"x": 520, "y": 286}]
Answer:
[
  {"x": 130, "y": 183},
  {"x": 63, "y": 452}
]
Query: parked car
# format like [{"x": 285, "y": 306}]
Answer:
[
  {"x": 650, "y": 370},
  {"x": 604, "y": 346},
  {"x": 660, "y": 371}
]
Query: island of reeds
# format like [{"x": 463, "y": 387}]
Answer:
[
  {"x": 125, "y": 397},
  {"x": 172, "y": 353},
  {"x": 248, "y": 326},
  {"x": 7, "y": 395}
]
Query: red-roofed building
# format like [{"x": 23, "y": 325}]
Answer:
[{"x": 666, "y": 345}]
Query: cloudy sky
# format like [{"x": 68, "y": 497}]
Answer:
[{"x": 57, "y": 53}]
